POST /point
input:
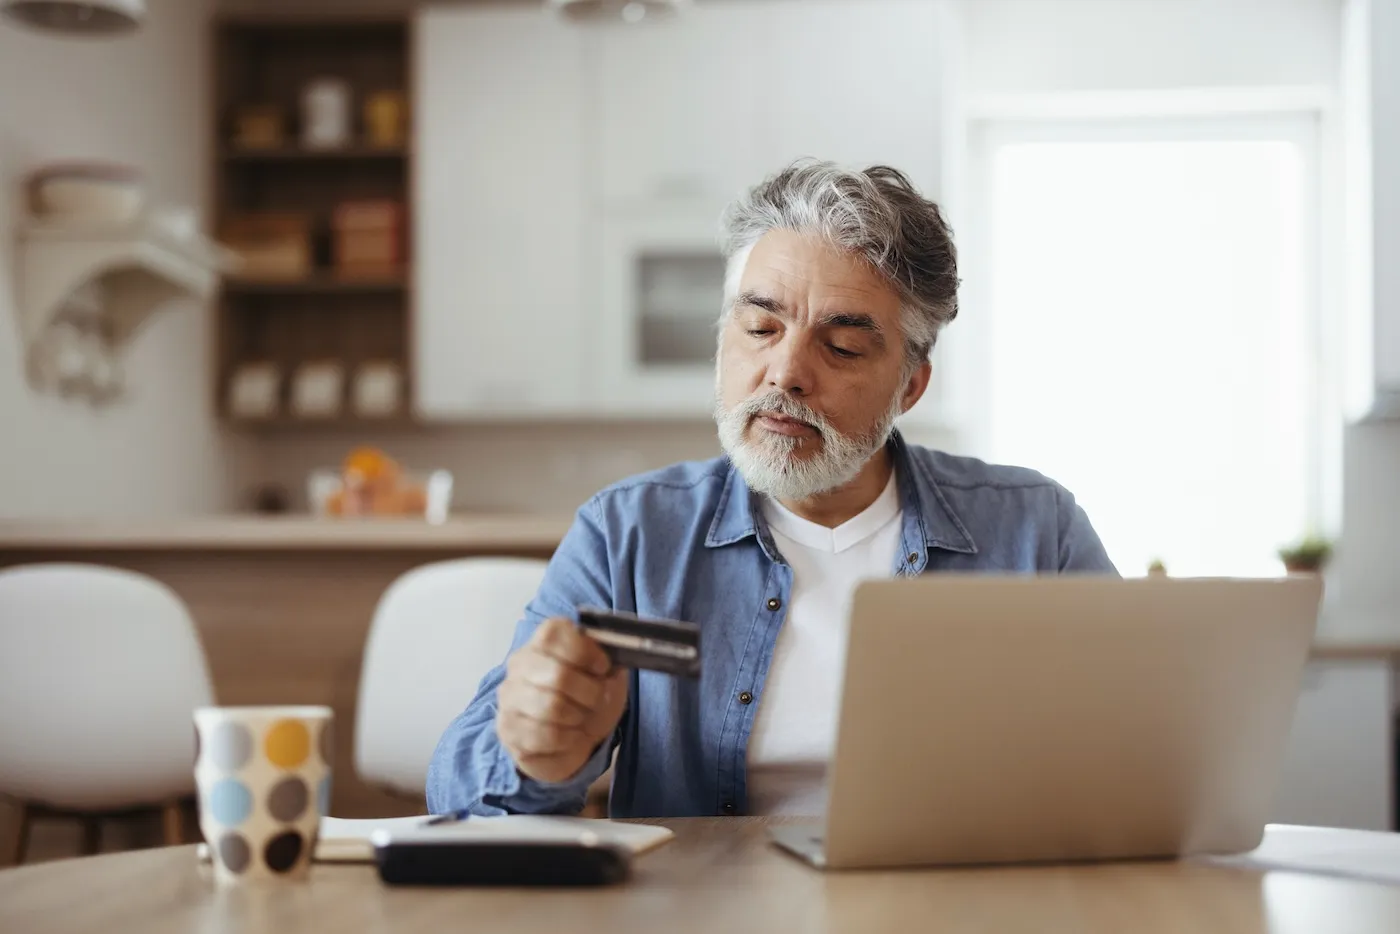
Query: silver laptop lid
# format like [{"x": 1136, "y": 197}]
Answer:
[{"x": 995, "y": 719}]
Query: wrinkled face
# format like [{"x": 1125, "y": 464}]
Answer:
[{"x": 811, "y": 372}]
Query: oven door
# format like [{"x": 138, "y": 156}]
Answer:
[{"x": 660, "y": 292}]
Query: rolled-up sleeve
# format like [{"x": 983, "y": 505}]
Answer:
[{"x": 470, "y": 769}]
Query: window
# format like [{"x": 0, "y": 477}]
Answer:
[{"x": 1153, "y": 334}]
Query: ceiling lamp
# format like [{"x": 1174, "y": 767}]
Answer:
[
  {"x": 77, "y": 17},
  {"x": 627, "y": 11}
]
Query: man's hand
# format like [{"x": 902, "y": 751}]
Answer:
[{"x": 558, "y": 702}]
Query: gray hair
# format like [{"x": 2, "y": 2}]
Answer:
[{"x": 876, "y": 214}]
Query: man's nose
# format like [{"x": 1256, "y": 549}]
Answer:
[{"x": 790, "y": 366}]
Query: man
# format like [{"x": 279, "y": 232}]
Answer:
[{"x": 838, "y": 283}]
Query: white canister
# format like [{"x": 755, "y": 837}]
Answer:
[{"x": 325, "y": 114}]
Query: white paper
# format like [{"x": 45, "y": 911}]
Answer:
[
  {"x": 1350, "y": 854},
  {"x": 634, "y": 837},
  {"x": 344, "y": 840},
  {"x": 340, "y": 828}
]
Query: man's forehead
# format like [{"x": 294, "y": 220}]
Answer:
[{"x": 789, "y": 267}]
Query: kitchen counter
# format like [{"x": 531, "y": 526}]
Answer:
[
  {"x": 515, "y": 534},
  {"x": 415, "y": 542},
  {"x": 1381, "y": 645},
  {"x": 283, "y": 605},
  {"x": 1350, "y": 631}
]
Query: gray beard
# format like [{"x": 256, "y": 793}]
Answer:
[{"x": 771, "y": 466}]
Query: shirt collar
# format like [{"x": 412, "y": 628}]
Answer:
[{"x": 928, "y": 516}]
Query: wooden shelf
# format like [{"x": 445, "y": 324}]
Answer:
[
  {"x": 327, "y": 283},
  {"x": 338, "y": 422},
  {"x": 322, "y": 314},
  {"x": 299, "y": 155}
]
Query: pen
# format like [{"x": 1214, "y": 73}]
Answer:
[{"x": 449, "y": 818}]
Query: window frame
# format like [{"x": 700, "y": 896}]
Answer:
[{"x": 1305, "y": 117}]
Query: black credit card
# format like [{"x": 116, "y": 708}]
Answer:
[{"x": 632, "y": 641}]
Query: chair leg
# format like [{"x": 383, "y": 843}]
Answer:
[
  {"x": 172, "y": 821},
  {"x": 92, "y": 836},
  {"x": 19, "y": 847},
  {"x": 26, "y": 824}
]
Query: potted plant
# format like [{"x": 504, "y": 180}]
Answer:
[{"x": 1308, "y": 555}]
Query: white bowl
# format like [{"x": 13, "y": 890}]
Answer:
[{"x": 89, "y": 198}]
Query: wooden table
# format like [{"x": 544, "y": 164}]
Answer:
[{"x": 719, "y": 874}]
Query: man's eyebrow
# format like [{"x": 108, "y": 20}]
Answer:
[
  {"x": 759, "y": 300},
  {"x": 848, "y": 319},
  {"x": 839, "y": 319},
  {"x": 857, "y": 320}
]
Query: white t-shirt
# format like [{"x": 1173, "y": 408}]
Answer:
[{"x": 795, "y": 728}]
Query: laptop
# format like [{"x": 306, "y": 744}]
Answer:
[{"x": 998, "y": 719}]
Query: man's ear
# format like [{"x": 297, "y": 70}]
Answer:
[{"x": 915, "y": 388}]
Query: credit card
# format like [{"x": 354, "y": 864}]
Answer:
[{"x": 631, "y": 641}]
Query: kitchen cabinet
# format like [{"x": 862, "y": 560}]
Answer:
[
  {"x": 321, "y": 305},
  {"x": 857, "y": 83},
  {"x": 1370, "y": 98},
  {"x": 1339, "y": 767},
  {"x": 500, "y": 197},
  {"x": 732, "y": 94},
  {"x": 1385, "y": 185},
  {"x": 660, "y": 280},
  {"x": 678, "y": 105},
  {"x": 702, "y": 107},
  {"x": 570, "y": 183},
  {"x": 1387, "y": 402}
]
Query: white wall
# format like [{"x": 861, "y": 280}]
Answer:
[
  {"x": 507, "y": 468},
  {"x": 549, "y": 467},
  {"x": 1073, "y": 45},
  {"x": 139, "y": 99}
]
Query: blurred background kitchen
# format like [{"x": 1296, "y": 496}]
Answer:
[{"x": 280, "y": 265}]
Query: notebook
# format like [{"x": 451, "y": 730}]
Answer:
[{"x": 348, "y": 841}]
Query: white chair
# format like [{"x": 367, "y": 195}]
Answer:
[
  {"x": 436, "y": 632},
  {"x": 100, "y": 671}
]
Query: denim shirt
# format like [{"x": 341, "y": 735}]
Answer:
[{"x": 689, "y": 542}]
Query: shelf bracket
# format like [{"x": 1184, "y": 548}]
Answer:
[{"x": 103, "y": 280}]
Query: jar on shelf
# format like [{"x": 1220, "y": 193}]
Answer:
[
  {"x": 386, "y": 119},
  {"x": 258, "y": 126},
  {"x": 325, "y": 118}
]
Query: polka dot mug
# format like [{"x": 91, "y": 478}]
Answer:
[{"x": 264, "y": 780}]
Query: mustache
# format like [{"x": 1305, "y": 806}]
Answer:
[{"x": 777, "y": 402}]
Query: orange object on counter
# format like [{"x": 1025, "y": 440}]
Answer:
[
  {"x": 370, "y": 464},
  {"x": 373, "y": 484}
]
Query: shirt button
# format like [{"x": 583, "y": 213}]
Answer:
[
  {"x": 774, "y": 603},
  {"x": 913, "y": 557},
  {"x": 727, "y": 807},
  {"x": 745, "y": 698}
]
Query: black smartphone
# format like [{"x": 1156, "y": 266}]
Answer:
[{"x": 485, "y": 862}]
